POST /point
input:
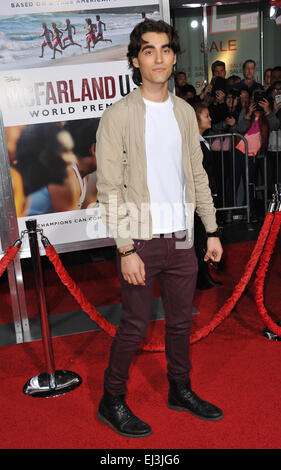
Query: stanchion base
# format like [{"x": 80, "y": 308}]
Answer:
[
  {"x": 40, "y": 386},
  {"x": 270, "y": 335}
]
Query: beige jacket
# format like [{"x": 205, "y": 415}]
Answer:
[{"x": 121, "y": 170}]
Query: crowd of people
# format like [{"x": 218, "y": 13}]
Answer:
[{"x": 246, "y": 108}]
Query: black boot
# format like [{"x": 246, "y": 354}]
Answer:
[
  {"x": 182, "y": 398},
  {"x": 114, "y": 411}
]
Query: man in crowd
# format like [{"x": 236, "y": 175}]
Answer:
[
  {"x": 149, "y": 157},
  {"x": 218, "y": 69},
  {"x": 180, "y": 81},
  {"x": 249, "y": 82},
  {"x": 276, "y": 74},
  {"x": 213, "y": 94}
]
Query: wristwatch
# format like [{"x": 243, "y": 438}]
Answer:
[
  {"x": 216, "y": 234},
  {"x": 127, "y": 253}
]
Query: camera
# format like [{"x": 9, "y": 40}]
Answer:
[
  {"x": 219, "y": 84},
  {"x": 259, "y": 96}
]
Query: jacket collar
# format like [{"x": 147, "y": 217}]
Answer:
[{"x": 137, "y": 95}]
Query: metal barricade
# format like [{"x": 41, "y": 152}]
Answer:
[
  {"x": 262, "y": 186},
  {"x": 273, "y": 161},
  {"x": 228, "y": 190}
]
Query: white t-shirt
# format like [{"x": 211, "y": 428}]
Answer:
[{"x": 165, "y": 176}]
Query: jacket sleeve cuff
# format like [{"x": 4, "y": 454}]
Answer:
[{"x": 123, "y": 242}]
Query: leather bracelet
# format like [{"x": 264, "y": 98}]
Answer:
[{"x": 127, "y": 253}]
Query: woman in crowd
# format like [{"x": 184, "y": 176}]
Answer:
[
  {"x": 255, "y": 123},
  {"x": 267, "y": 78},
  {"x": 222, "y": 152},
  {"x": 204, "y": 280}
]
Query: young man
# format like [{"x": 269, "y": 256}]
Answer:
[
  {"x": 149, "y": 158},
  {"x": 218, "y": 69}
]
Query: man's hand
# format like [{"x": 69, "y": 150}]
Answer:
[
  {"x": 132, "y": 268},
  {"x": 214, "y": 249}
]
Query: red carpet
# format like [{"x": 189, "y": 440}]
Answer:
[{"x": 235, "y": 367}]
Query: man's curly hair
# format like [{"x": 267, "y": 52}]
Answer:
[{"x": 149, "y": 26}]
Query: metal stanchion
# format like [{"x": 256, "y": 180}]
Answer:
[
  {"x": 53, "y": 382},
  {"x": 274, "y": 205},
  {"x": 278, "y": 195}
]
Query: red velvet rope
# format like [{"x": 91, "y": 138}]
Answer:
[
  {"x": 8, "y": 258},
  {"x": 77, "y": 293},
  {"x": 261, "y": 273},
  {"x": 275, "y": 3},
  {"x": 240, "y": 287},
  {"x": 269, "y": 225},
  {"x": 88, "y": 308}
]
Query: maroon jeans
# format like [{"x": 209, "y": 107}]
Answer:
[{"x": 176, "y": 269}]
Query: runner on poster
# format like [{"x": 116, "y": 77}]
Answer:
[
  {"x": 57, "y": 40},
  {"x": 68, "y": 40},
  {"x": 48, "y": 38}
]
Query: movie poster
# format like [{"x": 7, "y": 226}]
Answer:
[{"x": 62, "y": 63}]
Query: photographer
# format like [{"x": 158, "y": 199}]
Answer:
[
  {"x": 218, "y": 108},
  {"x": 261, "y": 111},
  {"x": 254, "y": 123},
  {"x": 214, "y": 93},
  {"x": 233, "y": 103}
]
